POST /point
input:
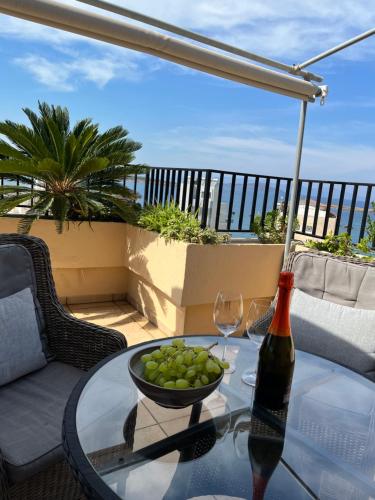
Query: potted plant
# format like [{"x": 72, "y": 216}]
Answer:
[{"x": 72, "y": 173}]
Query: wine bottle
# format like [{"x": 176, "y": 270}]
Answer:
[{"x": 276, "y": 355}]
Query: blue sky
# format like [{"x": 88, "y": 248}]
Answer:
[{"x": 188, "y": 119}]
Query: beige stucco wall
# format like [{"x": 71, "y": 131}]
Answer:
[
  {"x": 174, "y": 284},
  {"x": 87, "y": 262}
]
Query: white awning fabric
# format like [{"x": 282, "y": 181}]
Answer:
[{"x": 115, "y": 31}]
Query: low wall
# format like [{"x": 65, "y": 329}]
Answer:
[
  {"x": 174, "y": 284},
  {"x": 87, "y": 262}
]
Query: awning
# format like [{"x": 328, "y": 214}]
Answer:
[{"x": 118, "y": 32}]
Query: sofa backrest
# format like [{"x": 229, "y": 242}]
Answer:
[{"x": 327, "y": 277}]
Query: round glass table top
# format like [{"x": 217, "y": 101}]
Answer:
[{"x": 124, "y": 445}]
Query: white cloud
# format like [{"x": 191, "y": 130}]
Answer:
[
  {"x": 65, "y": 75},
  {"x": 259, "y": 152}
]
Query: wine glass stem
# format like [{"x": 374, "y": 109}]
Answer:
[{"x": 225, "y": 347}]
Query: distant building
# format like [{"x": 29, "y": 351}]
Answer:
[{"x": 322, "y": 214}]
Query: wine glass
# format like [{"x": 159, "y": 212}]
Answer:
[
  {"x": 255, "y": 332},
  {"x": 228, "y": 313}
]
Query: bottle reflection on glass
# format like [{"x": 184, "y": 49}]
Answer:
[{"x": 265, "y": 445}]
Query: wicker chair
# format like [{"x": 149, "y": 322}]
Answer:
[{"x": 70, "y": 341}]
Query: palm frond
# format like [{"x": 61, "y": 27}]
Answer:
[
  {"x": 60, "y": 207},
  {"x": 10, "y": 202},
  {"x": 38, "y": 210},
  {"x": 19, "y": 167},
  {"x": 90, "y": 166},
  {"x": 9, "y": 151},
  {"x": 15, "y": 189}
]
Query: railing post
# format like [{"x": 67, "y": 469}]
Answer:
[
  {"x": 147, "y": 184},
  {"x": 206, "y": 198}
]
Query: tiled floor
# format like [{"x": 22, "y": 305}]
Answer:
[{"x": 120, "y": 316}]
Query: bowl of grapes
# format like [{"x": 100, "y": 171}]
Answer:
[{"x": 176, "y": 375}]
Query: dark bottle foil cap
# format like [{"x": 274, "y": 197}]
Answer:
[{"x": 286, "y": 280}]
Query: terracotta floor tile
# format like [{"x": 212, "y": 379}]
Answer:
[
  {"x": 154, "y": 331},
  {"x": 161, "y": 414},
  {"x": 148, "y": 435},
  {"x": 93, "y": 305},
  {"x": 120, "y": 316},
  {"x": 133, "y": 339},
  {"x": 174, "y": 426},
  {"x": 144, "y": 417}
]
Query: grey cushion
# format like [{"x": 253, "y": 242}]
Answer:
[
  {"x": 334, "y": 280},
  {"x": 20, "y": 345},
  {"x": 31, "y": 414},
  {"x": 343, "y": 334},
  {"x": 16, "y": 274}
]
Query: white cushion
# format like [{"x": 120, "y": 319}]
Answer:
[
  {"x": 21, "y": 349},
  {"x": 343, "y": 334}
]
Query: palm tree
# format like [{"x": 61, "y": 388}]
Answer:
[{"x": 71, "y": 173}]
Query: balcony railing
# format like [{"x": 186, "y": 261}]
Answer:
[{"x": 229, "y": 201}]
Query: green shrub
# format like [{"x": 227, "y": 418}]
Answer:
[
  {"x": 340, "y": 244},
  {"x": 174, "y": 224},
  {"x": 273, "y": 230},
  {"x": 370, "y": 227}
]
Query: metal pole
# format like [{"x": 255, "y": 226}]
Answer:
[
  {"x": 339, "y": 47},
  {"x": 293, "y": 199},
  {"x": 152, "y": 21}
]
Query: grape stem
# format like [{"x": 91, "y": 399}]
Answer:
[{"x": 211, "y": 346}]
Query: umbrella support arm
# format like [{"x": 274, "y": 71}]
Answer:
[{"x": 293, "y": 199}]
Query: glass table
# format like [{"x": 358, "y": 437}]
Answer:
[{"x": 123, "y": 445}]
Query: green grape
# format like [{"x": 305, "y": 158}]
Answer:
[
  {"x": 190, "y": 373},
  {"x": 188, "y": 358},
  {"x": 210, "y": 366},
  {"x": 198, "y": 349},
  {"x": 163, "y": 367},
  {"x": 197, "y": 383},
  {"x": 146, "y": 357},
  {"x": 204, "y": 379},
  {"x": 179, "y": 359},
  {"x": 178, "y": 343},
  {"x": 182, "y": 368},
  {"x": 157, "y": 354},
  {"x": 201, "y": 357},
  {"x": 160, "y": 380},
  {"x": 172, "y": 372},
  {"x": 224, "y": 364},
  {"x": 164, "y": 348},
  {"x": 170, "y": 384},
  {"x": 199, "y": 367},
  {"x": 182, "y": 383},
  {"x": 153, "y": 375},
  {"x": 151, "y": 365},
  {"x": 216, "y": 368}
]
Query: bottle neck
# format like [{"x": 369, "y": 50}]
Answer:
[{"x": 280, "y": 325}]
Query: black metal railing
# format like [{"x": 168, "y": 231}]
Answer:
[{"x": 230, "y": 201}]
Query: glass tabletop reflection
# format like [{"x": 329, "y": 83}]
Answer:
[{"x": 323, "y": 446}]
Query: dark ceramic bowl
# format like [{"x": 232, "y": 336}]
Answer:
[{"x": 169, "y": 398}]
